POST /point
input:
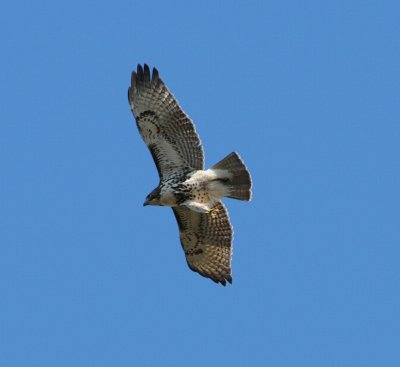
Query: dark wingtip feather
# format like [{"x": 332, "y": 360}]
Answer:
[
  {"x": 217, "y": 280},
  {"x": 155, "y": 75},
  {"x": 146, "y": 74},
  {"x": 140, "y": 76},
  {"x": 143, "y": 77}
]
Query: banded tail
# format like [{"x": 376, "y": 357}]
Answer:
[{"x": 240, "y": 181}]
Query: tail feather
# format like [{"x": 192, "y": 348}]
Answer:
[{"x": 239, "y": 181}]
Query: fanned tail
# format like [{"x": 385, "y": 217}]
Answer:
[{"x": 239, "y": 182}]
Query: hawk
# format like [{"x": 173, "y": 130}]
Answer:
[{"x": 193, "y": 193}]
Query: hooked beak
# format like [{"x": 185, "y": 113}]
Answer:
[{"x": 146, "y": 203}]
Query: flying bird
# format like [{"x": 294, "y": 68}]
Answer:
[{"x": 193, "y": 193}]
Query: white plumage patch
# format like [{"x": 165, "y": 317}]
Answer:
[
  {"x": 210, "y": 175},
  {"x": 208, "y": 189},
  {"x": 197, "y": 207}
]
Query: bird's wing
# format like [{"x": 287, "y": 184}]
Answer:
[
  {"x": 165, "y": 128},
  {"x": 206, "y": 239}
]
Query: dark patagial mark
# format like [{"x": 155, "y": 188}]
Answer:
[
  {"x": 152, "y": 119},
  {"x": 145, "y": 114},
  {"x": 180, "y": 197},
  {"x": 193, "y": 252}
]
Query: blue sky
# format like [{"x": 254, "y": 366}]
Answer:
[{"x": 308, "y": 94}]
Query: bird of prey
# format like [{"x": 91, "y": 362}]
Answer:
[{"x": 193, "y": 193}]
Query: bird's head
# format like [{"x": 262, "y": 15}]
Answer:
[{"x": 153, "y": 198}]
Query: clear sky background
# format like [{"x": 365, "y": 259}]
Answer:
[{"x": 307, "y": 92}]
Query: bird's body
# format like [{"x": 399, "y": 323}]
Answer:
[
  {"x": 196, "y": 189},
  {"x": 193, "y": 192}
]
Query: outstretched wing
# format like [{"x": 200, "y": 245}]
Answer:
[
  {"x": 165, "y": 128},
  {"x": 206, "y": 239}
]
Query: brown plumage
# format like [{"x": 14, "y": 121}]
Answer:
[{"x": 193, "y": 193}]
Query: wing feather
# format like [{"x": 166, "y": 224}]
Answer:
[
  {"x": 206, "y": 239},
  {"x": 165, "y": 128}
]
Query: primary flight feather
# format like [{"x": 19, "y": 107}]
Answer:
[{"x": 193, "y": 193}]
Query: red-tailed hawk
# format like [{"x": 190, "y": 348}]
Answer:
[{"x": 193, "y": 193}]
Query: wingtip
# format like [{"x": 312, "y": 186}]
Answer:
[
  {"x": 223, "y": 281},
  {"x": 227, "y": 278},
  {"x": 155, "y": 75},
  {"x": 143, "y": 76},
  {"x": 146, "y": 74},
  {"x": 140, "y": 77},
  {"x": 139, "y": 73}
]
